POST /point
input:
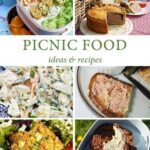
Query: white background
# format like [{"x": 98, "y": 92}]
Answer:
[{"x": 136, "y": 53}]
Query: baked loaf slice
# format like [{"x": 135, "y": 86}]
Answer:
[
  {"x": 100, "y": 16},
  {"x": 144, "y": 73},
  {"x": 112, "y": 137},
  {"x": 111, "y": 96}
]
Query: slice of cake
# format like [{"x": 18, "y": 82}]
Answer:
[
  {"x": 112, "y": 137},
  {"x": 111, "y": 96},
  {"x": 100, "y": 16}
]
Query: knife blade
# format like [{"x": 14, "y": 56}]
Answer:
[{"x": 145, "y": 91}]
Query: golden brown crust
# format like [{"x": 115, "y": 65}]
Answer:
[
  {"x": 97, "y": 25},
  {"x": 110, "y": 8},
  {"x": 39, "y": 136},
  {"x": 100, "y": 103},
  {"x": 144, "y": 69},
  {"x": 144, "y": 73},
  {"x": 97, "y": 17},
  {"x": 97, "y": 102}
]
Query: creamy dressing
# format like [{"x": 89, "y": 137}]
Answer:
[{"x": 117, "y": 142}]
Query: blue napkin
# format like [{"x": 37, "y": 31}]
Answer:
[
  {"x": 9, "y": 3},
  {"x": 3, "y": 111},
  {"x": 4, "y": 29}
]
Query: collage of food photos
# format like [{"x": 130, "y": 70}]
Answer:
[{"x": 55, "y": 107}]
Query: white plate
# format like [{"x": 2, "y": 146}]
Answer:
[
  {"x": 113, "y": 29},
  {"x": 142, "y": 12},
  {"x": 139, "y": 107},
  {"x": 141, "y": 134}
]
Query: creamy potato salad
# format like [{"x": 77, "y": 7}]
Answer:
[{"x": 41, "y": 92}]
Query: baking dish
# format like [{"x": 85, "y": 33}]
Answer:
[{"x": 139, "y": 130}]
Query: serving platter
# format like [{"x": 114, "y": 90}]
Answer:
[
  {"x": 113, "y": 29},
  {"x": 141, "y": 133},
  {"x": 142, "y": 12},
  {"x": 139, "y": 106}
]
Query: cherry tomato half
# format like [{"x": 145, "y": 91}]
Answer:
[
  {"x": 142, "y": 5},
  {"x": 70, "y": 147}
]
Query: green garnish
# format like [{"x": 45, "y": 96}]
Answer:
[
  {"x": 63, "y": 130},
  {"x": 4, "y": 132},
  {"x": 32, "y": 73},
  {"x": 62, "y": 19}
]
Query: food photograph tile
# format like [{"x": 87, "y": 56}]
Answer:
[
  {"x": 112, "y": 92},
  {"x": 112, "y": 17},
  {"x": 56, "y": 134},
  {"x": 36, "y": 92},
  {"x": 112, "y": 134},
  {"x": 36, "y": 17}
]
